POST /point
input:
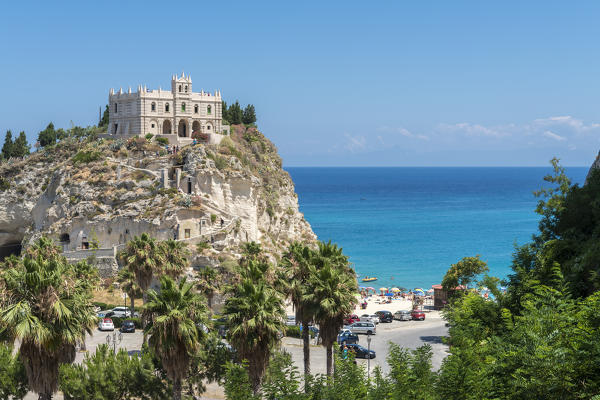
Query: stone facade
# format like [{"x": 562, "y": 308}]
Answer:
[{"x": 174, "y": 114}]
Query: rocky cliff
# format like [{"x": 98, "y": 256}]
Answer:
[{"x": 93, "y": 195}]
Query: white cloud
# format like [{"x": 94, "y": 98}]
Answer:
[
  {"x": 552, "y": 135},
  {"x": 474, "y": 129},
  {"x": 355, "y": 143}
]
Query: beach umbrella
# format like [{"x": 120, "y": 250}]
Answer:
[
  {"x": 394, "y": 289},
  {"x": 389, "y": 294},
  {"x": 419, "y": 292}
]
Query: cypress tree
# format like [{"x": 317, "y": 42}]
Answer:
[
  {"x": 47, "y": 136},
  {"x": 104, "y": 121},
  {"x": 249, "y": 116},
  {"x": 224, "y": 112},
  {"x": 7, "y": 149},
  {"x": 235, "y": 113},
  {"x": 20, "y": 147}
]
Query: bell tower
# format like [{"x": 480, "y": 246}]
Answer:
[{"x": 181, "y": 86}]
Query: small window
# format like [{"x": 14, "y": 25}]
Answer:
[
  {"x": 179, "y": 88},
  {"x": 153, "y": 106},
  {"x": 187, "y": 233},
  {"x": 208, "y": 127},
  {"x": 166, "y": 107},
  {"x": 153, "y": 125},
  {"x": 208, "y": 110},
  {"x": 183, "y": 107},
  {"x": 116, "y": 111},
  {"x": 116, "y": 127},
  {"x": 196, "y": 109},
  {"x": 186, "y": 88}
]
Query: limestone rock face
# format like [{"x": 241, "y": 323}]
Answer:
[{"x": 223, "y": 194}]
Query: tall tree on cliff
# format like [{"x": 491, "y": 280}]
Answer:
[
  {"x": 47, "y": 137},
  {"x": 249, "y": 116},
  {"x": 235, "y": 113},
  {"x": 8, "y": 146},
  {"x": 104, "y": 120},
  {"x": 20, "y": 147},
  {"x": 224, "y": 111},
  {"x": 48, "y": 310}
]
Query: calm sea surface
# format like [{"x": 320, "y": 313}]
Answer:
[{"x": 407, "y": 225}]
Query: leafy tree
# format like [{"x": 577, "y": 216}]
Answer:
[
  {"x": 249, "y": 115},
  {"x": 47, "y": 137},
  {"x": 463, "y": 272},
  {"x": 108, "y": 376},
  {"x": 551, "y": 202},
  {"x": 237, "y": 383},
  {"x": 294, "y": 279},
  {"x": 176, "y": 313},
  {"x": 235, "y": 113},
  {"x": 175, "y": 256},
  {"x": 410, "y": 373},
  {"x": 105, "y": 117},
  {"x": 20, "y": 147},
  {"x": 255, "y": 315},
  {"x": 13, "y": 379},
  {"x": 282, "y": 379},
  {"x": 7, "y": 148},
  {"x": 332, "y": 289},
  {"x": 46, "y": 308}
]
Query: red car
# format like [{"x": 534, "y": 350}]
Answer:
[
  {"x": 350, "y": 319},
  {"x": 417, "y": 315}
]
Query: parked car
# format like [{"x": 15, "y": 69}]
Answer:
[
  {"x": 385, "y": 316},
  {"x": 374, "y": 318},
  {"x": 350, "y": 319},
  {"x": 291, "y": 320},
  {"x": 121, "y": 312},
  {"x": 106, "y": 324},
  {"x": 128, "y": 326},
  {"x": 346, "y": 337},
  {"x": 402, "y": 315},
  {"x": 417, "y": 315},
  {"x": 358, "y": 350},
  {"x": 367, "y": 328}
]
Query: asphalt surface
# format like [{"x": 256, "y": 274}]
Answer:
[{"x": 409, "y": 334}]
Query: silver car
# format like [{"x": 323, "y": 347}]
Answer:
[
  {"x": 367, "y": 328},
  {"x": 402, "y": 315}
]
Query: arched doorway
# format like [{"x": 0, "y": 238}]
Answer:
[
  {"x": 195, "y": 126},
  {"x": 182, "y": 128},
  {"x": 166, "y": 128}
]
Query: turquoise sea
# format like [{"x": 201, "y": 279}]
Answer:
[{"x": 407, "y": 225}]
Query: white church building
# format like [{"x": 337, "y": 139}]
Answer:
[{"x": 174, "y": 114}]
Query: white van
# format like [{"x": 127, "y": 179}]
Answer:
[{"x": 367, "y": 328}]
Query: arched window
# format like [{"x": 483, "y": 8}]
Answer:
[
  {"x": 153, "y": 106},
  {"x": 166, "y": 107},
  {"x": 186, "y": 88},
  {"x": 208, "y": 110},
  {"x": 183, "y": 107},
  {"x": 116, "y": 108},
  {"x": 196, "y": 109},
  {"x": 179, "y": 88}
]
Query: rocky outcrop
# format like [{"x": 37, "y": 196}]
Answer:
[{"x": 99, "y": 193}]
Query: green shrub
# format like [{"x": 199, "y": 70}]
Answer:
[
  {"x": 213, "y": 218},
  {"x": 162, "y": 140},
  {"x": 86, "y": 156},
  {"x": 13, "y": 380},
  {"x": 149, "y": 136},
  {"x": 4, "y": 184},
  {"x": 294, "y": 331},
  {"x": 201, "y": 246}
]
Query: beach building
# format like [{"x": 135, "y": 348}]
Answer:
[{"x": 175, "y": 114}]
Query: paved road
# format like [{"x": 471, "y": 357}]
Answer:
[{"x": 409, "y": 334}]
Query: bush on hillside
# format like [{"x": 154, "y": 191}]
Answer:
[{"x": 162, "y": 140}]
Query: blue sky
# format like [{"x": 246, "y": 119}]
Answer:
[{"x": 347, "y": 83}]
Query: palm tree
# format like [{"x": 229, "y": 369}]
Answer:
[
  {"x": 208, "y": 283},
  {"x": 176, "y": 258},
  {"x": 255, "y": 315},
  {"x": 175, "y": 315},
  {"x": 47, "y": 308},
  {"x": 129, "y": 285},
  {"x": 143, "y": 256},
  {"x": 293, "y": 279},
  {"x": 333, "y": 289}
]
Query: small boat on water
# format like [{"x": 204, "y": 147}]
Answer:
[{"x": 369, "y": 279}]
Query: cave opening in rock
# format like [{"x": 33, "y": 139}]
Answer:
[{"x": 10, "y": 248}]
